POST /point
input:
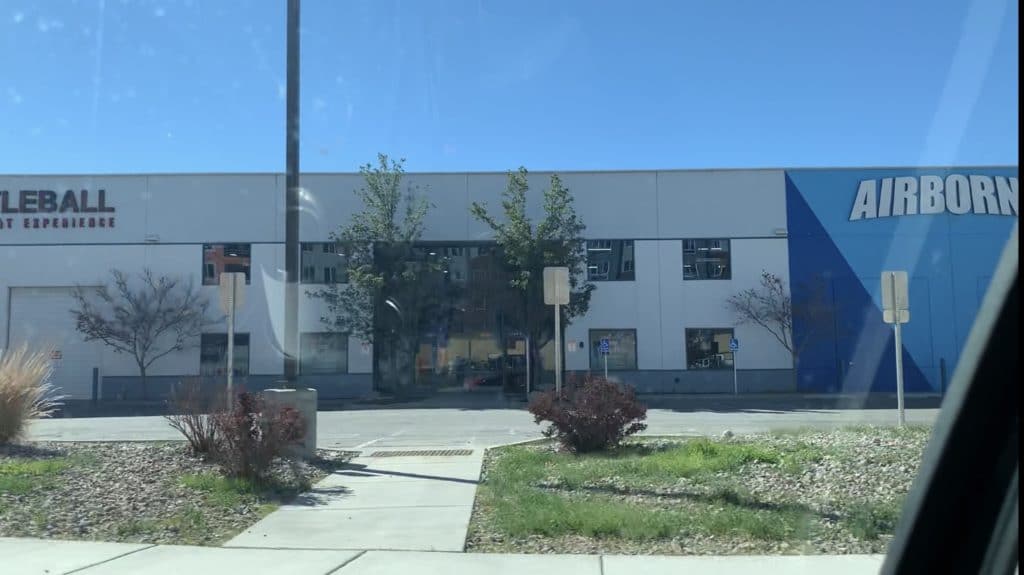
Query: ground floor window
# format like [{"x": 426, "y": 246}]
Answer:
[
  {"x": 213, "y": 354},
  {"x": 708, "y": 348},
  {"x": 323, "y": 352},
  {"x": 621, "y": 349}
]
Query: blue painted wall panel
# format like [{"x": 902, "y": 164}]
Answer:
[{"x": 949, "y": 257}]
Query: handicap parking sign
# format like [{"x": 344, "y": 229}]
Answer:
[
  {"x": 604, "y": 346},
  {"x": 734, "y": 344}
]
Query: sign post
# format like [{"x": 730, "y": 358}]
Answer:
[
  {"x": 528, "y": 354},
  {"x": 734, "y": 347},
  {"x": 605, "y": 348},
  {"x": 556, "y": 293},
  {"x": 232, "y": 295},
  {"x": 896, "y": 310}
]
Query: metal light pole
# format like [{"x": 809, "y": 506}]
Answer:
[{"x": 291, "y": 221}]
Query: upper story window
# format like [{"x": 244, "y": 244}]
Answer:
[
  {"x": 707, "y": 259},
  {"x": 322, "y": 264},
  {"x": 225, "y": 258},
  {"x": 610, "y": 260}
]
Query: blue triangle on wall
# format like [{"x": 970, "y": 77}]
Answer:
[{"x": 855, "y": 354}]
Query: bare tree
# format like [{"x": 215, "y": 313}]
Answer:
[
  {"x": 148, "y": 320},
  {"x": 770, "y": 306}
]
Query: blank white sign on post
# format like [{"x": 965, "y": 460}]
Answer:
[
  {"x": 556, "y": 286},
  {"x": 556, "y": 293},
  {"x": 896, "y": 310},
  {"x": 232, "y": 289},
  {"x": 895, "y": 297},
  {"x": 232, "y": 297}
]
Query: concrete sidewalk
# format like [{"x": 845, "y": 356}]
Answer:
[
  {"x": 52, "y": 557},
  {"x": 379, "y": 501}
]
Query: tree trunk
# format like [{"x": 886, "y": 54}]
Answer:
[{"x": 142, "y": 372}]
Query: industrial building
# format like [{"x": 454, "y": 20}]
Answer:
[{"x": 665, "y": 250}]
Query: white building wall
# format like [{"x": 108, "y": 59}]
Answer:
[{"x": 655, "y": 209}]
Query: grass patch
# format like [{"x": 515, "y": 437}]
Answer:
[
  {"x": 540, "y": 492},
  {"x": 872, "y": 519},
  {"x": 220, "y": 490},
  {"x": 796, "y": 459},
  {"x": 21, "y": 475},
  {"x": 189, "y": 524},
  {"x": 137, "y": 527},
  {"x": 532, "y": 512},
  {"x": 231, "y": 492},
  {"x": 634, "y": 464}
]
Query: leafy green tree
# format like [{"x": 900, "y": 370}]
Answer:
[
  {"x": 528, "y": 247},
  {"x": 386, "y": 272}
]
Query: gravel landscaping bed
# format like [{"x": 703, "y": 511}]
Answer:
[
  {"x": 138, "y": 492},
  {"x": 804, "y": 492}
]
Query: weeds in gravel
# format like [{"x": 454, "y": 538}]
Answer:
[
  {"x": 223, "y": 491},
  {"x": 189, "y": 524},
  {"x": 40, "y": 519},
  {"x": 795, "y": 460},
  {"x": 231, "y": 492},
  {"x": 913, "y": 429},
  {"x": 21, "y": 475},
  {"x": 137, "y": 527},
  {"x": 869, "y": 520}
]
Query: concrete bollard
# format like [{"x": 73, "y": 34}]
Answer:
[{"x": 305, "y": 402}]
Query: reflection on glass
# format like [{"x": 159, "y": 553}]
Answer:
[
  {"x": 225, "y": 258},
  {"x": 621, "y": 349},
  {"x": 213, "y": 354},
  {"x": 610, "y": 260},
  {"x": 708, "y": 348},
  {"x": 463, "y": 322},
  {"x": 706, "y": 260},
  {"x": 323, "y": 352},
  {"x": 322, "y": 264}
]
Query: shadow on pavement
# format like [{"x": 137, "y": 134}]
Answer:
[
  {"x": 358, "y": 470},
  {"x": 319, "y": 496},
  {"x": 490, "y": 400}
]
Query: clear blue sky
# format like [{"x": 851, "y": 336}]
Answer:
[{"x": 165, "y": 86}]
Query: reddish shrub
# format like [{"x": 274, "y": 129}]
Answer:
[
  {"x": 248, "y": 439},
  {"x": 592, "y": 415}
]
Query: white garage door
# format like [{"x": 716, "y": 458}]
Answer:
[{"x": 41, "y": 317}]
